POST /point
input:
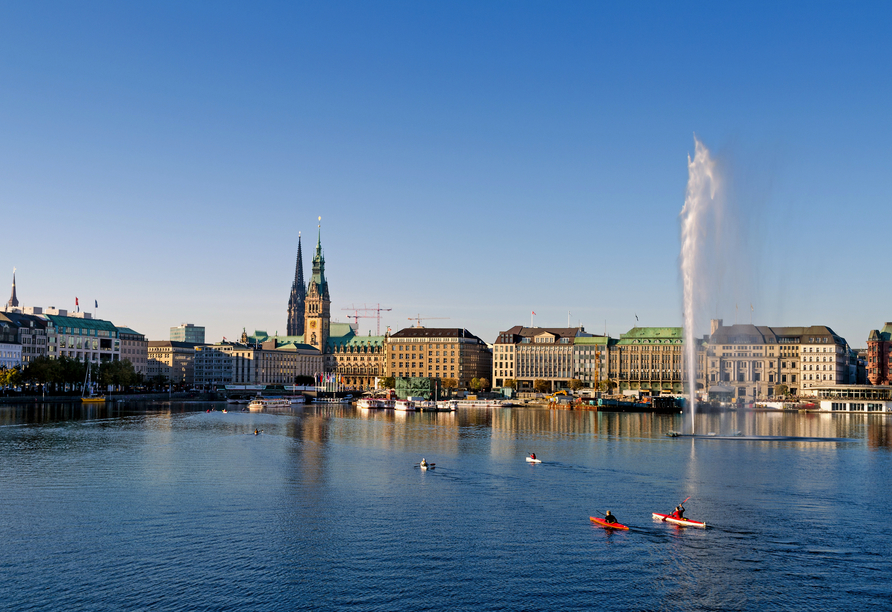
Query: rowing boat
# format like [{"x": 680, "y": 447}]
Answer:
[
  {"x": 678, "y": 521},
  {"x": 602, "y": 523}
]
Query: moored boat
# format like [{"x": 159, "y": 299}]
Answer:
[
  {"x": 404, "y": 405},
  {"x": 260, "y": 403},
  {"x": 374, "y": 403},
  {"x": 683, "y": 522},
  {"x": 602, "y": 523}
]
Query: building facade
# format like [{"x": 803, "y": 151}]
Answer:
[
  {"x": 172, "y": 361},
  {"x": 591, "y": 360},
  {"x": 649, "y": 360},
  {"x": 754, "y": 359},
  {"x": 187, "y": 332},
  {"x": 80, "y": 336},
  {"x": 10, "y": 348},
  {"x": 438, "y": 353},
  {"x": 528, "y": 354},
  {"x": 270, "y": 360},
  {"x": 879, "y": 355},
  {"x": 135, "y": 349}
]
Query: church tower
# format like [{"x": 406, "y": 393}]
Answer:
[
  {"x": 318, "y": 302},
  {"x": 297, "y": 301},
  {"x": 13, "y": 301}
]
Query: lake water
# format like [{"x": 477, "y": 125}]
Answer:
[{"x": 168, "y": 507}]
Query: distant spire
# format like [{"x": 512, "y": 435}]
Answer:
[
  {"x": 13, "y": 300},
  {"x": 299, "y": 267},
  {"x": 297, "y": 301}
]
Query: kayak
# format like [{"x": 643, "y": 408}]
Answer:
[
  {"x": 682, "y": 521},
  {"x": 602, "y": 523},
  {"x": 531, "y": 460}
]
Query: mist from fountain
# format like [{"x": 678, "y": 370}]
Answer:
[{"x": 700, "y": 215}]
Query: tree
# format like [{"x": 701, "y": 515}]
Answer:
[
  {"x": 603, "y": 385},
  {"x": 449, "y": 383},
  {"x": 510, "y": 383},
  {"x": 541, "y": 386},
  {"x": 781, "y": 390},
  {"x": 484, "y": 384},
  {"x": 575, "y": 384},
  {"x": 388, "y": 382},
  {"x": 474, "y": 384}
]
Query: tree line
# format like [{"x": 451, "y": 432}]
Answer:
[{"x": 67, "y": 374}]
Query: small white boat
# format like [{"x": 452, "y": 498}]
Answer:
[
  {"x": 531, "y": 460},
  {"x": 447, "y": 405},
  {"x": 404, "y": 405},
  {"x": 374, "y": 403},
  {"x": 426, "y": 406},
  {"x": 424, "y": 465},
  {"x": 297, "y": 399},
  {"x": 262, "y": 403}
]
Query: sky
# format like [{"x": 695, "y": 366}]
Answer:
[{"x": 472, "y": 161}]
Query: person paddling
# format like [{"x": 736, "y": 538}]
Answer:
[
  {"x": 423, "y": 463},
  {"x": 609, "y": 518},
  {"x": 532, "y": 455}
]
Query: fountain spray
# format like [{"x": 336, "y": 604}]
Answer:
[{"x": 696, "y": 218}]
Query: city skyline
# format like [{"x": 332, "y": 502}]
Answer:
[{"x": 470, "y": 162}]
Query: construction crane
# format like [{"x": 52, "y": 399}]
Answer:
[
  {"x": 377, "y": 310},
  {"x": 419, "y": 319}
]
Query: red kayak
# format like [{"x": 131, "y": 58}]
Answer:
[
  {"x": 602, "y": 523},
  {"x": 678, "y": 521}
]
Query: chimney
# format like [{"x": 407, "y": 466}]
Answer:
[{"x": 714, "y": 325}]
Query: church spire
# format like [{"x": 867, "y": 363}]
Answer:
[
  {"x": 13, "y": 300},
  {"x": 297, "y": 301}
]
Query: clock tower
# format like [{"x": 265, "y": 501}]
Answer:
[{"x": 318, "y": 303}]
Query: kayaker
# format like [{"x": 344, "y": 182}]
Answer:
[
  {"x": 423, "y": 462},
  {"x": 532, "y": 455},
  {"x": 256, "y": 432},
  {"x": 679, "y": 512},
  {"x": 609, "y": 518}
]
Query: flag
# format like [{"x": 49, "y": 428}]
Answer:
[
  {"x": 751, "y": 308},
  {"x": 534, "y": 312},
  {"x": 95, "y": 303},
  {"x": 636, "y": 317},
  {"x": 77, "y": 305}
]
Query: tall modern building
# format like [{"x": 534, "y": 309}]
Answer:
[
  {"x": 297, "y": 301},
  {"x": 187, "y": 333}
]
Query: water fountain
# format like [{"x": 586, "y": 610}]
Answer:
[{"x": 699, "y": 215}]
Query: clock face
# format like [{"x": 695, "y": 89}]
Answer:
[{"x": 313, "y": 323}]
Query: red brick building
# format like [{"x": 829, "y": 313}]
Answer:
[{"x": 879, "y": 355}]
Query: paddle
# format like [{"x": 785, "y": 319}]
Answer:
[{"x": 681, "y": 504}]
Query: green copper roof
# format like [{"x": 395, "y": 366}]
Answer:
[
  {"x": 598, "y": 340},
  {"x": 653, "y": 335}
]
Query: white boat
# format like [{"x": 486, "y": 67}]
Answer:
[
  {"x": 531, "y": 460},
  {"x": 297, "y": 399},
  {"x": 447, "y": 405},
  {"x": 404, "y": 405},
  {"x": 374, "y": 403},
  {"x": 479, "y": 403},
  {"x": 426, "y": 406},
  {"x": 262, "y": 403}
]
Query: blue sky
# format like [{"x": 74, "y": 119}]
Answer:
[{"x": 469, "y": 160}]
